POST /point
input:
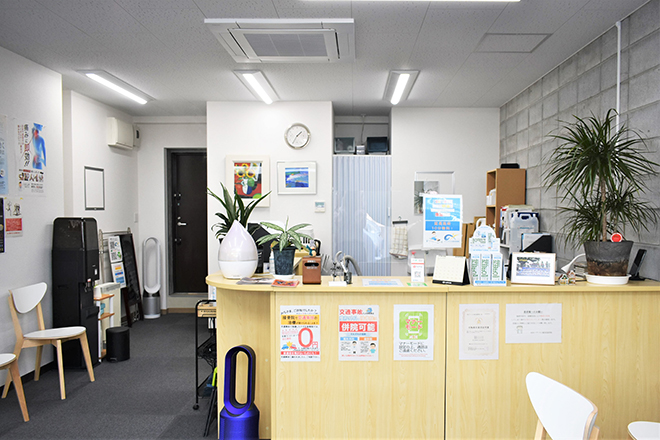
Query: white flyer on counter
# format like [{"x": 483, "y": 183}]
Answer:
[
  {"x": 533, "y": 323},
  {"x": 300, "y": 333},
  {"x": 413, "y": 332},
  {"x": 478, "y": 331},
  {"x": 358, "y": 333}
]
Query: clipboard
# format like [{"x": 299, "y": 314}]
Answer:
[{"x": 451, "y": 270}]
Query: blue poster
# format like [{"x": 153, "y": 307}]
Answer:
[{"x": 443, "y": 216}]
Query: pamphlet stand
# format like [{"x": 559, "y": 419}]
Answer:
[{"x": 485, "y": 258}]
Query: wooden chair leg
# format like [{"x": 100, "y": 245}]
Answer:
[
  {"x": 37, "y": 364},
  {"x": 15, "y": 376},
  {"x": 88, "y": 357},
  {"x": 60, "y": 367},
  {"x": 7, "y": 383}
]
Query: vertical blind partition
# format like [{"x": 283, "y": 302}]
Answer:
[{"x": 361, "y": 210}]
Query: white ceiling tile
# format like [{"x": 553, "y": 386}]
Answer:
[{"x": 164, "y": 48}]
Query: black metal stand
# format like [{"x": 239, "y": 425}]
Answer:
[{"x": 206, "y": 350}]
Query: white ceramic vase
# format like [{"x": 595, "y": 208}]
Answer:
[{"x": 237, "y": 256}]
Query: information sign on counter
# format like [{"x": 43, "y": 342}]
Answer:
[
  {"x": 300, "y": 333},
  {"x": 413, "y": 332},
  {"x": 478, "y": 331},
  {"x": 443, "y": 217},
  {"x": 533, "y": 323},
  {"x": 358, "y": 333}
]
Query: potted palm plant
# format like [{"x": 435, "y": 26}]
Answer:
[
  {"x": 235, "y": 209},
  {"x": 285, "y": 241},
  {"x": 601, "y": 172}
]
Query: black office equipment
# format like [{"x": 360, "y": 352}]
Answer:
[
  {"x": 634, "y": 268},
  {"x": 118, "y": 341},
  {"x": 378, "y": 145},
  {"x": 75, "y": 269}
]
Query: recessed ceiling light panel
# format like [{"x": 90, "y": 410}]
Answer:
[{"x": 119, "y": 86}]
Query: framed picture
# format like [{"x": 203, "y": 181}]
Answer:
[
  {"x": 94, "y": 189},
  {"x": 533, "y": 268},
  {"x": 296, "y": 177},
  {"x": 249, "y": 176}
]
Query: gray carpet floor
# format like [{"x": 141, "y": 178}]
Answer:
[{"x": 149, "y": 396}]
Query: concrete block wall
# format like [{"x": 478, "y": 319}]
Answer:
[{"x": 584, "y": 84}]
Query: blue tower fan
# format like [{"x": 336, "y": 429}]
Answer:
[{"x": 239, "y": 421}]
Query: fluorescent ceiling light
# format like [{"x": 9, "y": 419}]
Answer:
[
  {"x": 258, "y": 84},
  {"x": 119, "y": 86},
  {"x": 399, "y": 84}
]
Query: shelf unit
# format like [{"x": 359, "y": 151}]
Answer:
[
  {"x": 206, "y": 350},
  {"x": 110, "y": 314},
  {"x": 509, "y": 186}
]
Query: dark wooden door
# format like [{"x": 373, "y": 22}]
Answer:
[{"x": 188, "y": 228}]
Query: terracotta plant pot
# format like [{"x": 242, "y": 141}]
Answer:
[{"x": 606, "y": 258}]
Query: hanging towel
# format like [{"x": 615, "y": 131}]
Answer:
[{"x": 400, "y": 241}]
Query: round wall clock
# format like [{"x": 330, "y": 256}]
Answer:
[{"x": 297, "y": 136}]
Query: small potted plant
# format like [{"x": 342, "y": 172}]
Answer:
[
  {"x": 601, "y": 172},
  {"x": 284, "y": 244},
  {"x": 235, "y": 209}
]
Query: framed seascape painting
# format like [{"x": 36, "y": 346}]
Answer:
[
  {"x": 296, "y": 177},
  {"x": 249, "y": 176}
]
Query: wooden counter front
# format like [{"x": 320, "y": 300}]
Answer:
[{"x": 610, "y": 352}]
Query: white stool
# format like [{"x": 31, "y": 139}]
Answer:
[
  {"x": 8, "y": 361},
  {"x": 644, "y": 431}
]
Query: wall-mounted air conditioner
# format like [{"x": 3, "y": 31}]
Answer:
[{"x": 122, "y": 134}]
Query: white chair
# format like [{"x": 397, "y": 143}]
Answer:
[
  {"x": 26, "y": 299},
  {"x": 8, "y": 362},
  {"x": 644, "y": 431},
  {"x": 563, "y": 413}
]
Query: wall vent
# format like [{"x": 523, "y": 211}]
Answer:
[{"x": 286, "y": 40}]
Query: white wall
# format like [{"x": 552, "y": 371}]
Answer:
[
  {"x": 89, "y": 147},
  {"x": 30, "y": 93},
  {"x": 463, "y": 140},
  {"x": 159, "y": 134},
  {"x": 249, "y": 128}
]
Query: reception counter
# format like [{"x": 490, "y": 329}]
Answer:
[{"x": 609, "y": 351}]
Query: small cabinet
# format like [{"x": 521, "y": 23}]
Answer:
[{"x": 509, "y": 186}]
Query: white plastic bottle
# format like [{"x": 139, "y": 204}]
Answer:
[{"x": 271, "y": 262}]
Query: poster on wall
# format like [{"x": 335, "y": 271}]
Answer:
[
  {"x": 533, "y": 323},
  {"x": 443, "y": 217},
  {"x": 413, "y": 332},
  {"x": 358, "y": 333},
  {"x": 13, "y": 217},
  {"x": 2, "y": 225},
  {"x": 4, "y": 186},
  {"x": 31, "y": 159},
  {"x": 478, "y": 336},
  {"x": 300, "y": 333}
]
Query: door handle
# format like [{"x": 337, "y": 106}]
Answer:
[{"x": 181, "y": 224}]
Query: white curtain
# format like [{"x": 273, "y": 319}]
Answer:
[{"x": 361, "y": 200}]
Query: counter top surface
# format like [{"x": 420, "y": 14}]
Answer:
[{"x": 217, "y": 280}]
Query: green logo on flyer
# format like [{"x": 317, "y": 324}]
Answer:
[{"x": 413, "y": 325}]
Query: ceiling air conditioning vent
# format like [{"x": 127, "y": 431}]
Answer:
[{"x": 286, "y": 40}]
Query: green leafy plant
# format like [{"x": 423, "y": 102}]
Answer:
[
  {"x": 235, "y": 209},
  {"x": 286, "y": 236},
  {"x": 601, "y": 171}
]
